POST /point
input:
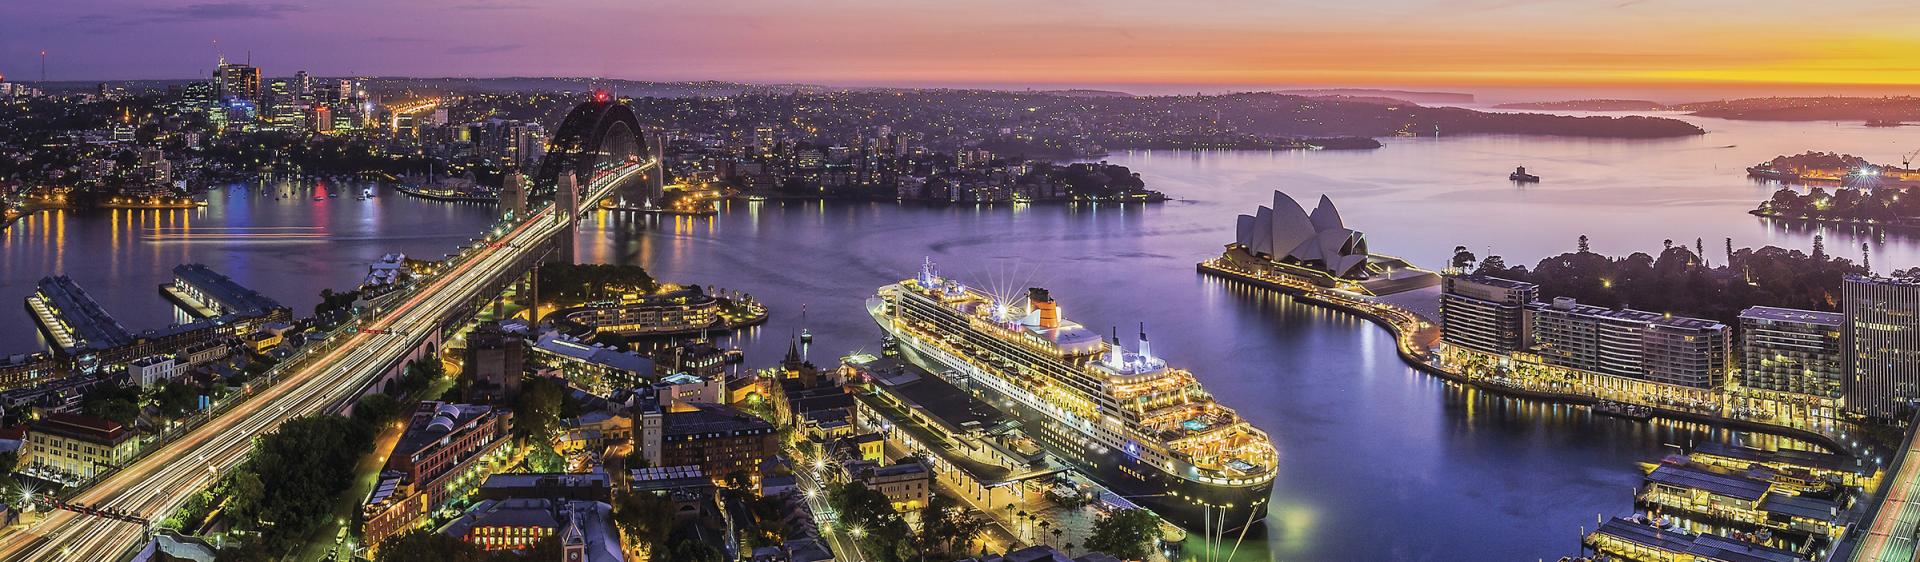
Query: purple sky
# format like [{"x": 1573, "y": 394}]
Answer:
[{"x": 1156, "y": 44}]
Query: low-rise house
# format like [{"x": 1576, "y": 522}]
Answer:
[{"x": 76, "y": 447}]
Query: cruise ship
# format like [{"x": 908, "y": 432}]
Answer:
[{"x": 1125, "y": 418}]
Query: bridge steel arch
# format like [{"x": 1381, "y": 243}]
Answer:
[{"x": 598, "y": 132}]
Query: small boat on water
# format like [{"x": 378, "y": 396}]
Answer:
[
  {"x": 1520, "y": 175},
  {"x": 1620, "y": 410},
  {"x": 1766, "y": 171}
]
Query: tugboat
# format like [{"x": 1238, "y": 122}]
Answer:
[
  {"x": 806, "y": 335},
  {"x": 1520, "y": 175}
]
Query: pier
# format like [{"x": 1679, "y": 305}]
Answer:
[
  {"x": 205, "y": 293},
  {"x": 1416, "y": 335},
  {"x": 73, "y": 320}
]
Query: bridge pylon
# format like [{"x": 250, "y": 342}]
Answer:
[{"x": 567, "y": 204}]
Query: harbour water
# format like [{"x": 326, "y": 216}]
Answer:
[{"x": 1377, "y": 462}]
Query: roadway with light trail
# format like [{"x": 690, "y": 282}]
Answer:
[
  {"x": 1896, "y": 520},
  {"x": 157, "y": 484}
]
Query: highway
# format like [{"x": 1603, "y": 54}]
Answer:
[
  {"x": 1889, "y": 536},
  {"x": 815, "y": 492},
  {"x": 157, "y": 484}
]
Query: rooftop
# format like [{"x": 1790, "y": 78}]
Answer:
[
  {"x": 84, "y": 428},
  {"x": 945, "y": 403},
  {"x": 229, "y": 293},
  {"x": 604, "y": 356},
  {"x": 434, "y": 421},
  {"x": 713, "y": 418},
  {"x": 668, "y": 478},
  {"x": 1710, "y": 482},
  {"x": 1722, "y": 549},
  {"x": 1645, "y": 535},
  {"x": 546, "y": 480},
  {"x": 1808, "y": 459},
  {"x": 96, "y": 328},
  {"x": 1801, "y": 506},
  {"x": 1494, "y": 281},
  {"x": 1773, "y": 314},
  {"x": 1568, "y": 305},
  {"x": 517, "y": 512}
]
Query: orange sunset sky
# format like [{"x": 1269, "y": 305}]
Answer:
[{"x": 1616, "y": 45}]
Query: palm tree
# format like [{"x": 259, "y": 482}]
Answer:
[
  {"x": 1069, "y": 547},
  {"x": 1057, "y": 533},
  {"x": 1043, "y": 529}
]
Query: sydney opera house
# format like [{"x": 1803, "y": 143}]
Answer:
[{"x": 1286, "y": 240}]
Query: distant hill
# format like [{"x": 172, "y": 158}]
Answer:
[
  {"x": 1085, "y": 93},
  {"x": 1884, "y": 109},
  {"x": 1410, "y": 96},
  {"x": 1587, "y": 105},
  {"x": 629, "y": 88}
]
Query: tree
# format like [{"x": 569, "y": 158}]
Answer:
[
  {"x": 1126, "y": 534},
  {"x": 1493, "y": 265},
  {"x": 1463, "y": 259},
  {"x": 8, "y": 461},
  {"x": 537, "y": 411},
  {"x": 376, "y": 409},
  {"x": 176, "y": 399},
  {"x": 309, "y": 461},
  {"x": 425, "y": 544},
  {"x": 243, "y": 492},
  {"x": 646, "y": 519},
  {"x": 112, "y": 402},
  {"x": 1585, "y": 246},
  {"x": 692, "y": 549},
  {"x": 420, "y": 374},
  {"x": 881, "y": 532},
  {"x": 945, "y": 524}
]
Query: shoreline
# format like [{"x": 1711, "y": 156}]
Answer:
[
  {"x": 1906, "y": 223},
  {"x": 443, "y": 198},
  {"x": 1423, "y": 366},
  {"x": 1152, "y": 197}
]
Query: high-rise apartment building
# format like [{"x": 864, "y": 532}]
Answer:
[
  {"x": 1662, "y": 348},
  {"x": 1486, "y": 313},
  {"x": 1882, "y": 343},
  {"x": 1790, "y": 350}
]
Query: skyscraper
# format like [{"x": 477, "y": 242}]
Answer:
[
  {"x": 235, "y": 80},
  {"x": 1485, "y": 313},
  {"x": 1882, "y": 342},
  {"x": 1791, "y": 361}
]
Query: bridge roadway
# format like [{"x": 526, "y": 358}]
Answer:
[
  {"x": 1888, "y": 534},
  {"x": 155, "y": 485}
]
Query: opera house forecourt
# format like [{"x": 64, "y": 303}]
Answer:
[{"x": 1285, "y": 244}]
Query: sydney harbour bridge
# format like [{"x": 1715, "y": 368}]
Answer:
[{"x": 599, "y": 152}]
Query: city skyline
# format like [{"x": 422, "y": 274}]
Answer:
[
  {"x": 856, "y": 281},
  {"x": 1625, "y": 47}
]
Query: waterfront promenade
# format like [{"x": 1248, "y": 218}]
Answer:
[{"x": 1417, "y": 335}]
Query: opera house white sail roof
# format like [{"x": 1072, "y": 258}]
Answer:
[{"x": 1286, "y": 232}]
